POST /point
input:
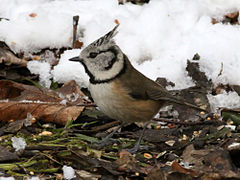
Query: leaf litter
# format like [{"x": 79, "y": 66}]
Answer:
[{"x": 59, "y": 126}]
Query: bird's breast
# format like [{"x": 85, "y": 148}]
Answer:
[{"x": 115, "y": 101}]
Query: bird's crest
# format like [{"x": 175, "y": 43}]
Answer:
[{"x": 106, "y": 37}]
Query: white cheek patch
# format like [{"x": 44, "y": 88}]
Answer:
[{"x": 110, "y": 73}]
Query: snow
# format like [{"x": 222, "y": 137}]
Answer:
[
  {"x": 67, "y": 70},
  {"x": 158, "y": 37},
  {"x": 7, "y": 178},
  {"x": 43, "y": 69},
  {"x": 68, "y": 172},
  {"x": 230, "y": 100},
  {"x": 18, "y": 143},
  {"x": 234, "y": 145},
  {"x": 34, "y": 178}
]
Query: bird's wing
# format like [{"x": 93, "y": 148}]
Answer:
[{"x": 141, "y": 87}]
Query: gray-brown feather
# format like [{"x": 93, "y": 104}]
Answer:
[{"x": 142, "y": 87}]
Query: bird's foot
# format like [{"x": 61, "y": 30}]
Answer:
[{"x": 132, "y": 150}]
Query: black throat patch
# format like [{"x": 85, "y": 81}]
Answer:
[{"x": 96, "y": 81}]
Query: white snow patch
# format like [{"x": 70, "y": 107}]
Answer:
[
  {"x": 18, "y": 143},
  {"x": 231, "y": 127},
  {"x": 67, "y": 70},
  {"x": 68, "y": 172},
  {"x": 34, "y": 178},
  {"x": 230, "y": 100},
  {"x": 43, "y": 69},
  {"x": 7, "y": 178},
  {"x": 234, "y": 145}
]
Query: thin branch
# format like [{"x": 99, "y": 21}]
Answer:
[{"x": 189, "y": 123}]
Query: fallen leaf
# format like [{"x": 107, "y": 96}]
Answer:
[
  {"x": 18, "y": 99},
  {"x": 127, "y": 162},
  {"x": 209, "y": 161},
  {"x": 72, "y": 93},
  {"x": 178, "y": 168},
  {"x": 87, "y": 175},
  {"x": 8, "y": 57}
]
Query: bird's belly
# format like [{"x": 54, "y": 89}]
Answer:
[{"x": 117, "y": 104}]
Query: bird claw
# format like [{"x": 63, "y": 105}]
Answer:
[{"x": 132, "y": 150}]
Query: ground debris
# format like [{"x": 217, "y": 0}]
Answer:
[{"x": 17, "y": 100}]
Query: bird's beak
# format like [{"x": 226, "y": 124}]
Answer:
[{"x": 77, "y": 59}]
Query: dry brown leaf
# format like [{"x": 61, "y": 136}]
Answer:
[
  {"x": 18, "y": 99},
  {"x": 178, "y": 168},
  {"x": 73, "y": 94},
  {"x": 8, "y": 57},
  {"x": 232, "y": 15},
  {"x": 17, "y": 92},
  {"x": 210, "y": 161},
  {"x": 127, "y": 162}
]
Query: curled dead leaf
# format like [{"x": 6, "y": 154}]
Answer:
[{"x": 178, "y": 168}]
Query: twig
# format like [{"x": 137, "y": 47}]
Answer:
[
  {"x": 51, "y": 158},
  {"x": 75, "y": 24},
  {"x": 87, "y": 105},
  {"x": 99, "y": 128},
  {"x": 221, "y": 70},
  {"x": 105, "y": 126},
  {"x": 189, "y": 123}
]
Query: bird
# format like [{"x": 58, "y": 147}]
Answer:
[{"x": 118, "y": 89}]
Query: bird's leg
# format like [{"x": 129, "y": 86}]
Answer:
[
  {"x": 137, "y": 145},
  {"x": 105, "y": 141}
]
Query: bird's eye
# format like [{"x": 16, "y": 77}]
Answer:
[{"x": 93, "y": 55}]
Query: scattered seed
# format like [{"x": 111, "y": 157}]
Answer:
[
  {"x": 137, "y": 173},
  {"x": 95, "y": 170},
  {"x": 45, "y": 133},
  {"x": 220, "y": 127},
  {"x": 170, "y": 142},
  {"x": 184, "y": 137},
  {"x": 195, "y": 133},
  {"x": 147, "y": 156},
  {"x": 161, "y": 154}
]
